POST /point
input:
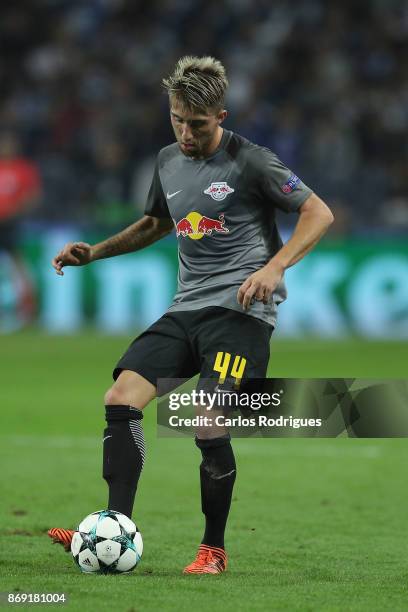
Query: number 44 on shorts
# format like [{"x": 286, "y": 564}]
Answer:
[{"x": 222, "y": 365}]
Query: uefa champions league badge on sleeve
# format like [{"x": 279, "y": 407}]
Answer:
[{"x": 291, "y": 184}]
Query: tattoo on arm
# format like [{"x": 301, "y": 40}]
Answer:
[{"x": 133, "y": 238}]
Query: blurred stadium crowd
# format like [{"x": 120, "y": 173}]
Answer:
[{"x": 82, "y": 110}]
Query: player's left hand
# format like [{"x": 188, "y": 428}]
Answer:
[{"x": 260, "y": 285}]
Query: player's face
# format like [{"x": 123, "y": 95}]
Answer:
[{"x": 197, "y": 134}]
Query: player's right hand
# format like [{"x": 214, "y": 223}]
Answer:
[{"x": 73, "y": 254}]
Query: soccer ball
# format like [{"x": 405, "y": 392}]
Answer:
[{"x": 107, "y": 542}]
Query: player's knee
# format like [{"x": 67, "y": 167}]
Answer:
[
  {"x": 206, "y": 433},
  {"x": 211, "y": 431},
  {"x": 121, "y": 395},
  {"x": 115, "y": 397},
  {"x": 130, "y": 389}
]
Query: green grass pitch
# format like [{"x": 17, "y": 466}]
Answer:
[{"x": 315, "y": 524}]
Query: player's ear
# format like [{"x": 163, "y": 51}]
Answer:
[{"x": 222, "y": 115}]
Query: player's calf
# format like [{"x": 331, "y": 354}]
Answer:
[
  {"x": 123, "y": 455},
  {"x": 217, "y": 478},
  {"x": 123, "y": 442}
]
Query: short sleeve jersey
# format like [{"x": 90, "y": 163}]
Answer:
[{"x": 223, "y": 208}]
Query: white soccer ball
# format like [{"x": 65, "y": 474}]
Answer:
[{"x": 107, "y": 542}]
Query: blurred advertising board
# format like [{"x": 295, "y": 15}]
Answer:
[{"x": 353, "y": 287}]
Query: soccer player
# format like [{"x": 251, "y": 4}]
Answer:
[{"x": 220, "y": 192}]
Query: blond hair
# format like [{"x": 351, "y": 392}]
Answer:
[{"x": 198, "y": 83}]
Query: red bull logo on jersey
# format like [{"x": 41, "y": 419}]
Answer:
[
  {"x": 219, "y": 191},
  {"x": 196, "y": 226}
]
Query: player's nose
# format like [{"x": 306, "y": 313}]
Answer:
[{"x": 186, "y": 133}]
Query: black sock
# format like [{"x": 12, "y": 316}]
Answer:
[
  {"x": 123, "y": 456},
  {"x": 217, "y": 476}
]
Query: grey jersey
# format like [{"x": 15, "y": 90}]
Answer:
[{"x": 223, "y": 208}]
